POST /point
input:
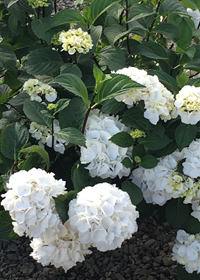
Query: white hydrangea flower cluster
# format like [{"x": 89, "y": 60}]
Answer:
[
  {"x": 186, "y": 251},
  {"x": 64, "y": 250},
  {"x": 103, "y": 156},
  {"x": 76, "y": 40},
  {"x": 191, "y": 166},
  {"x": 158, "y": 101},
  {"x": 37, "y": 90},
  {"x": 188, "y": 104},
  {"x": 44, "y": 135},
  {"x": 30, "y": 202},
  {"x": 195, "y": 16},
  {"x": 103, "y": 216}
]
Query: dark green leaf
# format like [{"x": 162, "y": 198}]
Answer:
[
  {"x": 19, "y": 99},
  {"x": 119, "y": 84},
  {"x": 73, "y": 84},
  {"x": 192, "y": 225},
  {"x": 62, "y": 204},
  {"x": 196, "y": 3},
  {"x": 185, "y": 134},
  {"x": 13, "y": 138},
  {"x": 62, "y": 104},
  {"x": 112, "y": 106},
  {"x": 177, "y": 212},
  {"x": 80, "y": 177},
  {"x": 66, "y": 16},
  {"x": 127, "y": 163},
  {"x": 44, "y": 61},
  {"x": 39, "y": 30},
  {"x": 7, "y": 58},
  {"x": 73, "y": 115},
  {"x": 71, "y": 68},
  {"x": 113, "y": 57},
  {"x": 122, "y": 139},
  {"x": 184, "y": 275},
  {"x": 33, "y": 111},
  {"x": 71, "y": 135},
  {"x": 194, "y": 82},
  {"x": 139, "y": 151},
  {"x": 168, "y": 30},
  {"x": 133, "y": 191},
  {"x": 148, "y": 162},
  {"x": 154, "y": 142},
  {"x": 40, "y": 151},
  {"x": 139, "y": 11},
  {"x": 172, "y": 6},
  {"x": 182, "y": 79},
  {"x": 6, "y": 227},
  {"x": 169, "y": 149},
  {"x": 151, "y": 50},
  {"x": 185, "y": 33}
]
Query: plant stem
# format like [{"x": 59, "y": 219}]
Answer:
[
  {"x": 151, "y": 27},
  {"x": 87, "y": 114},
  {"x": 55, "y": 6},
  {"x": 52, "y": 132},
  {"x": 128, "y": 45},
  {"x": 43, "y": 11},
  {"x": 12, "y": 168},
  {"x": 38, "y": 12},
  {"x": 75, "y": 57},
  {"x": 66, "y": 56}
]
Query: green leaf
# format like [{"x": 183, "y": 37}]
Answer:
[
  {"x": 44, "y": 61},
  {"x": 80, "y": 177},
  {"x": 73, "y": 115},
  {"x": 33, "y": 110},
  {"x": 13, "y": 138},
  {"x": 113, "y": 57},
  {"x": 66, "y": 16},
  {"x": 19, "y": 99},
  {"x": 169, "y": 149},
  {"x": 11, "y": 79},
  {"x": 194, "y": 82},
  {"x": 122, "y": 139},
  {"x": 151, "y": 50},
  {"x": 39, "y": 30},
  {"x": 12, "y": 2},
  {"x": 71, "y": 68},
  {"x": 62, "y": 204},
  {"x": 148, "y": 162},
  {"x": 182, "y": 79},
  {"x": 185, "y": 134},
  {"x": 6, "y": 227},
  {"x": 40, "y": 151},
  {"x": 185, "y": 33},
  {"x": 71, "y": 135},
  {"x": 139, "y": 11},
  {"x": 139, "y": 151},
  {"x": 173, "y": 7},
  {"x": 97, "y": 8},
  {"x": 127, "y": 163},
  {"x": 192, "y": 225},
  {"x": 119, "y": 84},
  {"x": 154, "y": 142},
  {"x": 184, "y": 275},
  {"x": 196, "y": 3},
  {"x": 98, "y": 74},
  {"x": 133, "y": 191},
  {"x": 7, "y": 58},
  {"x": 166, "y": 79},
  {"x": 168, "y": 30},
  {"x": 62, "y": 104},
  {"x": 73, "y": 84},
  {"x": 112, "y": 106},
  {"x": 177, "y": 212}
]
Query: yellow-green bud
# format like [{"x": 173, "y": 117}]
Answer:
[
  {"x": 38, "y": 3},
  {"x": 52, "y": 106},
  {"x": 55, "y": 38},
  {"x": 137, "y": 133},
  {"x": 137, "y": 159}
]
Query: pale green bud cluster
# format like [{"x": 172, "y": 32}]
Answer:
[
  {"x": 137, "y": 159},
  {"x": 75, "y": 40},
  {"x": 52, "y": 106},
  {"x": 38, "y": 3},
  {"x": 55, "y": 38},
  {"x": 137, "y": 133}
]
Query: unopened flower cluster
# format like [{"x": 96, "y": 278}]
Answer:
[
  {"x": 186, "y": 251},
  {"x": 44, "y": 135},
  {"x": 38, "y": 3},
  {"x": 195, "y": 16},
  {"x": 158, "y": 101},
  {"x": 188, "y": 104},
  {"x": 103, "y": 216},
  {"x": 75, "y": 40},
  {"x": 103, "y": 156},
  {"x": 38, "y": 90}
]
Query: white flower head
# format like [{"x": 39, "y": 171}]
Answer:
[
  {"x": 30, "y": 202},
  {"x": 103, "y": 216},
  {"x": 195, "y": 16}
]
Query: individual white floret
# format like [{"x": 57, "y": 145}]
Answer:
[
  {"x": 191, "y": 166},
  {"x": 103, "y": 216},
  {"x": 158, "y": 101},
  {"x": 102, "y": 156},
  {"x": 75, "y": 40},
  {"x": 30, "y": 202},
  {"x": 186, "y": 251},
  {"x": 195, "y": 16},
  {"x": 64, "y": 250},
  {"x": 188, "y": 104},
  {"x": 49, "y": 92}
]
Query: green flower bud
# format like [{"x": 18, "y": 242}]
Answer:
[
  {"x": 52, "y": 106},
  {"x": 38, "y": 3},
  {"x": 137, "y": 133},
  {"x": 137, "y": 159}
]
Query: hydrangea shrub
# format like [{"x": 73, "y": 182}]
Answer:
[{"x": 99, "y": 116}]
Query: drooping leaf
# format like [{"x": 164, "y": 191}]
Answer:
[
  {"x": 122, "y": 139},
  {"x": 185, "y": 134},
  {"x": 71, "y": 68},
  {"x": 168, "y": 30},
  {"x": 71, "y": 135},
  {"x": 66, "y": 16},
  {"x": 139, "y": 11},
  {"x": 8, "y": 58},
  {"x": 6, "y": 227},
  {"x": 151, "y": 50},
  {"x": 172, "y": 6},
  {"x": 174, "y": 212},
  {"x": 112, "y": 106},
  {"x": 192, "y": 225},
  {"x": 44, "y": 61},
  {"x": 35, "y": 112},
  {"x": 13, "y": 138},
  {"x": 133, "y": 191},
  {"x": 113, "y": 57}
]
